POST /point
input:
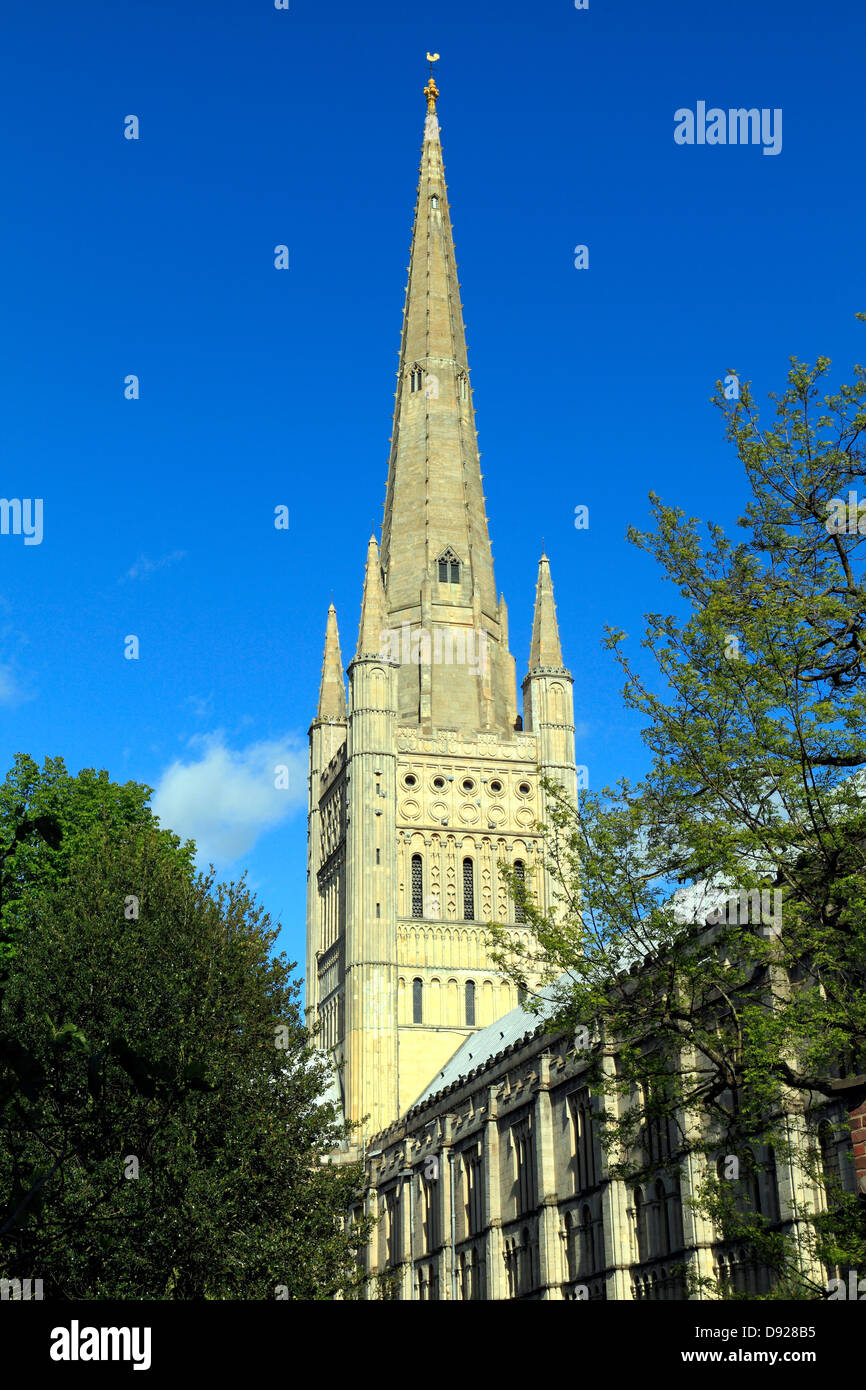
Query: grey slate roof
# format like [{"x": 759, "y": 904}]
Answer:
[{"x": 483, "y": 1045}]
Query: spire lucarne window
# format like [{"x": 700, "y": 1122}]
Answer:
[{"x": 449, "y": 567}]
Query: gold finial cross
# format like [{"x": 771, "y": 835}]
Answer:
[{"x": 431, "y": 91}]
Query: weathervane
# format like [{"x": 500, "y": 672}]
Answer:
[{"x": 431, "y": 91}]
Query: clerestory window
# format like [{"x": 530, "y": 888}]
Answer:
[
  {"x": 417, "y": 1000},
  {"x": 470, "y": 1003}
]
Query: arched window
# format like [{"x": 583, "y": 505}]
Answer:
[
  {"x": 417, "y": 886},
  {"x": 520, "y": 875},
  {"x": 599, "y": 1244},
  {"x": 526, "y": 1281},
  {"x": 394, "y": 1234},
  {"x": 772, "y": 1185},
  {"x": 640, "y": 1226},
  {"x": 449, "y": 568},
  {"x": 417, "y": 996},
  {"x": 750, "y": 1197},
  {"x": 580, "y": 1106},
  {"x": 434, "y": 201},
  {"x": 470, "y": 1003},
  {"x": 572, "y": 1230},
  {"x": 674, "y": 1217},
  {"x": 523, "y": 1139},
  {"x": 473, "y": 1180},
  {"x": 430, "y": 1218},
  {"x": 416, "y": 379},
  {"x": 660, "y": 1130},
  {"x": 468, "y": 890},
  {"x": 586, "y": 1256},
  {"x": 829, "y": 1160},
  {"x": 662, "y": 1240}
]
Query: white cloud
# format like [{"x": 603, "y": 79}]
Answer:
[
  {"x": 202, "y": 706},
  {"x": 145, "y": 566},
  {"x": 227, "y": 798},
  {"x": 11, "y": 691}
]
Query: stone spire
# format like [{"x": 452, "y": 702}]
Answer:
[
  {"x": 545, "y": 650},
  {"x": 332, "y": 691},
  {"x": 374, "y": 619},
  {"x": 434, "y": 499}
]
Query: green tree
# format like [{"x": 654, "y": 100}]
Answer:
[
  {"x": 162, "y": 1128},
  {"x": 756, "y": 726},
  {"x": 47, "y": 817}
]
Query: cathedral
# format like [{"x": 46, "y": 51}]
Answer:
[
  {"x": 428, "y": 777},
  {"x": 480, "y": 1139}
]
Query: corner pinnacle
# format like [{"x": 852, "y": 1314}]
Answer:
[
  {"x": 332, "y": 691},
  {"x": 374, "y": 619},
  {"x": 545, "y": 649}
]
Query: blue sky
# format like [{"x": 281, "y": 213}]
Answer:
[{"x": 261, "y": 387}]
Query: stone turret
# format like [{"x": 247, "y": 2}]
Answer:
[
  {"x": 327, "y": 736},
  {"x": 371, "y": 865},
  {"x": 548, "y": 699}
]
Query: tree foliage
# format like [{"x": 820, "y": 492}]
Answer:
[
  {"x": 50, "y": 818},
  {"x": 163, "y": 1132},
  {"x": 755, "y": 722}
]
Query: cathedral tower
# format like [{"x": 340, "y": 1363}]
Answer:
[{"x": 425, "y": 781}]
